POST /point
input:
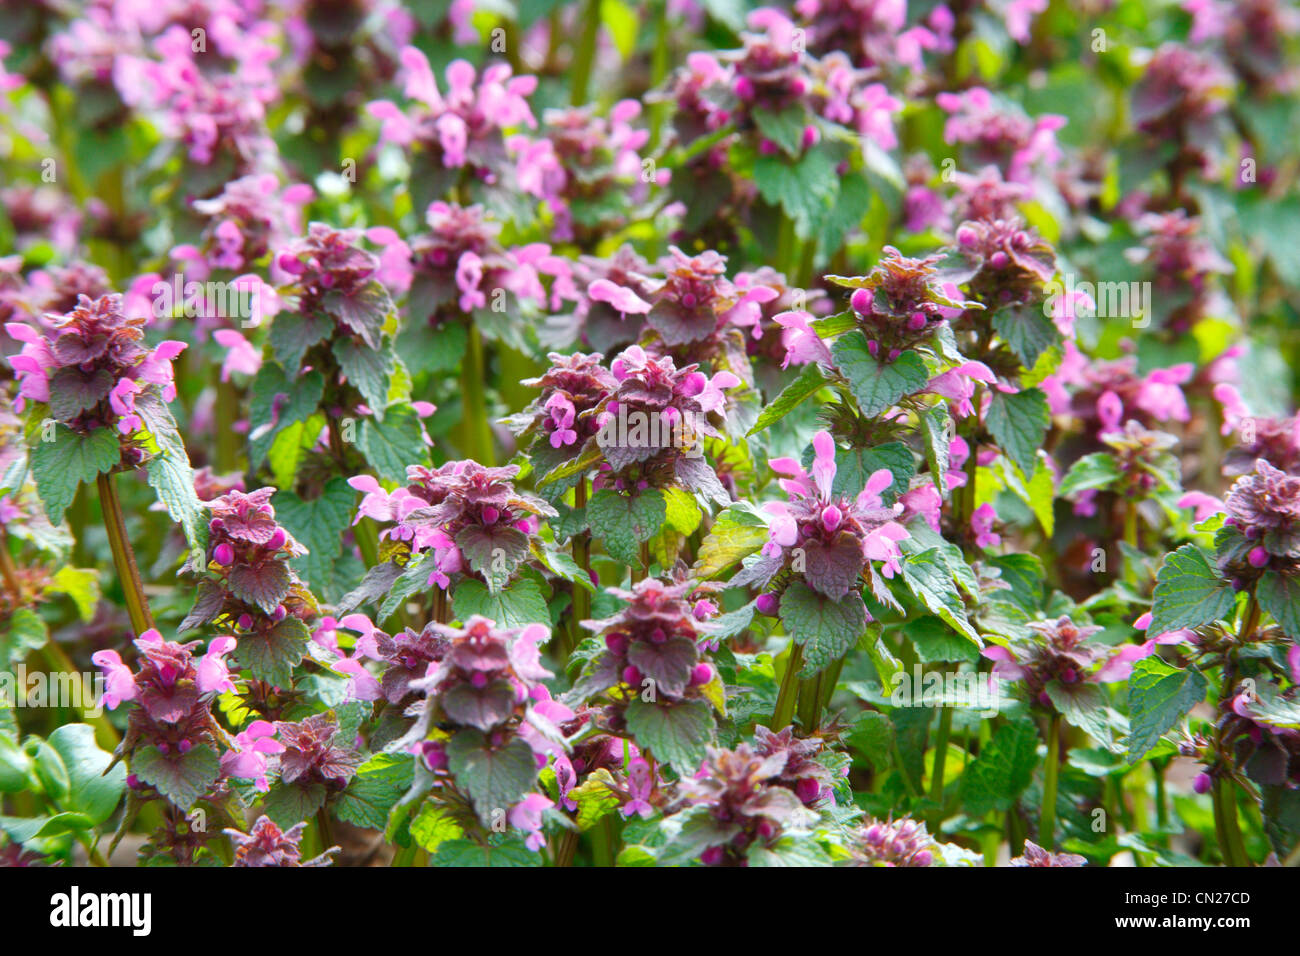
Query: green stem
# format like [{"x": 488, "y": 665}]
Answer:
[
  {"x": 785, "y": 698},
  {"x": 809, "y": 703},
  {"x": 1162, "y": 800},
  {"x": 940, "y": 761},
  {"x": 1131, "y": 524},
  {"x": 123, "y": 557},
  {"x": 1231, "y": 844},
  {"x": 1047, "y": 821},
  {"x": 477, "y": 431},
  {"x": 586, "y": 53},
  {"x": 226, "y": 411},
  {"x": 603, "y": 841},
  {"x": 659, "y": 62},
  {"x": 581, "y": 557}
]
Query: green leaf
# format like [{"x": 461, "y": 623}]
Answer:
[
  {"x": 1159, "y": 696},
  {"x": 303, "y": 395},
  {"x": 15, "y": 766},
  {"x": 806, "y": 385},
  {"x": 804, "y": 190},
  {"x": 494, "y": 779},
  {"x": 785, "y": 128},
  {"x": 936, "y": 642},
  {"x": 1003, "y": 769},
  {"x": 1098, "y": 470},
  {"x": 181, "y": 778},
  {"x": 826, "y": 629},
  {"x": 1189, "y": 592},
  {"x": 434, "y": 826},
  {"x": 369, "y": 370},
  {"x": 518, "y": 603},
  {"x": 319, "y": 525},
  {"x": 1027, "y": 331},
  {"x": 928, "y": 577},
  {"x": 93, "y": 789},
  {"x": 508, "y": 852},
  {"x": 293, "y": 334},
  {"x": 273, "y": 656},
  {"x": 875, "y": 385},
  {"x": 394, "y": 445},
  {"x": 288, "y": 803},
  {"x": 378, "y": 785},
  {"x": 934, "y": 422},
  {"x": 1279, "y": 595},
  {"x": 414, "y": 578},
  {"x": 738, "y": 532},
  {"x": 622, "y": 522},
  {"x": 872, "y": 735},
  {"x": 59, "y": 466},
  {"x": 1083, "y": 705},
  {"x": 493, "y": 551},
  {"x": 676, "y": 734},
  {"x": 789, "y": 851},
  {"x": 683, "y": 514},
  {"x": 1018, "y": 422},
  {"x": 23, "y": 633}
]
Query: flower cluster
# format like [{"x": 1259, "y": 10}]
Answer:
[
  {"x": 94, "y": 370},
  {"x": 562, "y": 420},
  {"x": 248, "y": 553},
  {"x": 652, "y": 644},
  {"x": 1264, "y": 509},
  {"x": 741, "y": 805},
  {"x": 463, "y": 128},
  {"x": 902, "y": 303},
  {"x": 463, "y": 515},
  {"x": 265, "y": 844},
  {"x": 1055, "y": 657},
  {"x": 651, "y": 425},
  {"x": 1009, "y": 263},
  {"x": 172, "y": 720},
  {"x": 1102, "y": 395},
  {"x": 824, "y": 535},
  {"x": 901, "y": 842},
  {"x": 332, "y": 276}
]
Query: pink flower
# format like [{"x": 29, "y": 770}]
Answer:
[
  {"x": 1204, "y": 505},
  {"x": 621, "y": 298},
  {"x": 526, "y": 815},
  {"x": 119, "y": 682},
  {"x": 981, "y": 522},
  {"x": 241, "y": 356},
  {"x": 958, "y": 385},
  {"x": 211, "y": 674},
  {"x": 640, "y": 784},
  {"x": 802, "y": 344},
  {"x": 247, "y": 759}
]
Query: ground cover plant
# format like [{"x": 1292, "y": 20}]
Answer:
[{"x": 686, "y": 432}]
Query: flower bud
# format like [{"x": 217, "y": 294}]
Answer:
[
  {"x": 701, "y": 674},
  {"x": 224, "y": 554},
  {"x": 1202, "y": 783},
  {"x": 767, "y": 603},
  {"x": 617, "y": 643},
  {"x": 632, "y": 675},
  {"x": 278, "y": 538}
]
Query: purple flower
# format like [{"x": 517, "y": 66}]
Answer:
[
  {"x": 211, "y": 674},
  {"x": 526, "y": 815},
  {"x": 248, "y": 757},
  {"x": 836, "y": 535},
  {"x": 119, "y": 682}
]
